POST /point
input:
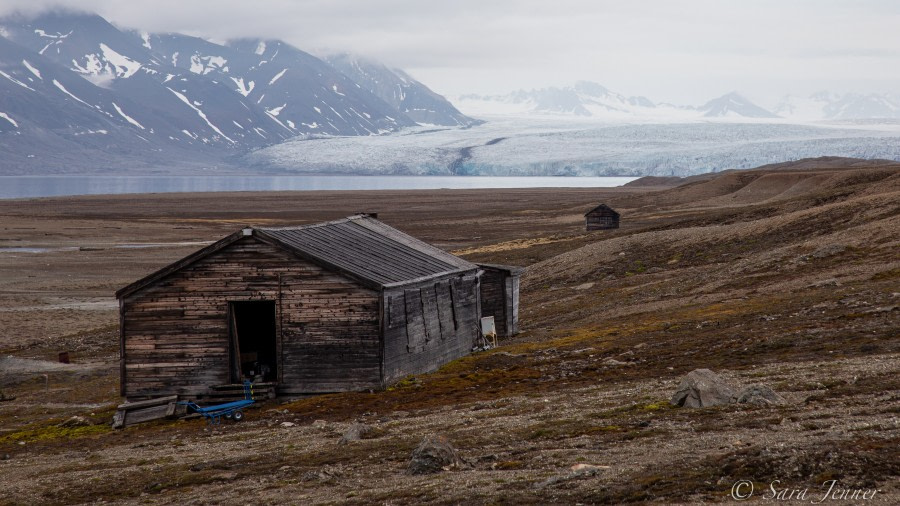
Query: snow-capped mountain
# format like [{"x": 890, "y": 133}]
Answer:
[
  {"x": 584, "y": 99},
  {"x": 164, "y": 98},
  {"x": 733, "y": 105},
  {"x": 52, "y": 118},
  {"x": 196, "y": 110},
  {"x": 588, "y": 99},
  {"x": 824, "y": 106},
  {"x": 401, "y": 91},
  {"x": 295, "y": 89}
]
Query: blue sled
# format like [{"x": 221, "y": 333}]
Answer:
[{"x": 216, "y": 412}]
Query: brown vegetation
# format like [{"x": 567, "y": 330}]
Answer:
[{"x": 785, "y": 275}]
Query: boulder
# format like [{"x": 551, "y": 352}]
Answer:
[
  {"x": 433, "y": 455},
  {"x": 702, "y": 388},
  {"x": 760, "y": 395},
  {"x": 75, "y": 421},
  {"x": 356, "y": 432}
]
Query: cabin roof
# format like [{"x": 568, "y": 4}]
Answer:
[
  {"x": 509, "y": 269},
  {"x": 360, "y": 246},
  {"x": 368, "y": 249},
  {"x": 603, "y": 208}
]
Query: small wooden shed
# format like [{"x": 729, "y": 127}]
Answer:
[
  {"x": 500, "y": 296},
  {"x": 352, "y": 304},
  {"x": 601, "y": 217}
]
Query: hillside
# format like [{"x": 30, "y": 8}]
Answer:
[{"x": 784, "y": 275}]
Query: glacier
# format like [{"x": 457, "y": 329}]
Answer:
[{"x": 542, "y": 146}]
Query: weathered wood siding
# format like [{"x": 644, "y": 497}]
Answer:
[
  {"x": 176, "y": 331},
  {"x": 429, "y": 324},
  {"x": 500, "y": 299},
  {"x": 601, "y": 220},
  {"x": 493, "y": 298},
  {"x": 512, "y": 305}
]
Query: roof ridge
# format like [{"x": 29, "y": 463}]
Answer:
[{"x": 313, "y": 225}]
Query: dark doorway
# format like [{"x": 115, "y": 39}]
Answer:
[{"x": 254, "y": 355}]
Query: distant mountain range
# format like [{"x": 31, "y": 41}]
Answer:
[
  {"x": 77, "y": 93},
  {"x": 588, "y": 99}
]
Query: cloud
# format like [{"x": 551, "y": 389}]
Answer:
[{"x": 667, "y": 50}]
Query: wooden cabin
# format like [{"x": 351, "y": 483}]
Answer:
[
  {"x": 500, "y": 297},
  {"x": 601, "y": 217},
  {"x": 352, "y": 304}
]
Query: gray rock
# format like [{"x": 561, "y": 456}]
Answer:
[
  {"x": 829, "y": 250},
  {"x": 702, "y": 388},
  {"x": 575, "y": 472},
  {"x": 75, "y": 421},
  {"x": 325, "y": 474},
  {"x": 356, "y": 432},
  {"x": 760, "y": 395},
  {"x": 434, "y": 455}
]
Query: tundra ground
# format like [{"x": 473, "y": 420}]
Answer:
[{"x": 785, "y": 275}]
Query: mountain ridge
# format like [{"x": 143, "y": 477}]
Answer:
[{"x": 171, "y": 99}]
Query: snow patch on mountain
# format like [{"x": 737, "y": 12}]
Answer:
[
  {"x": 127, "y": 117},
  {"x": 203, "y": 65},
  {"x": 243, "y": 89},
  {"x": 123, "y": 66},
  {"x": 201, "y": 114},
  {"x": 277, "y": 77},
  {"x": 7, "y": 118},
  {"x": 275, "y": 111},
  {"x": 14, "y": 80},
  {"x": 64, "y": 90},
  {"x": 33, "y": 70}
]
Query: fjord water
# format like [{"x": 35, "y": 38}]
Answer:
[{"x": 12, "y": 187}]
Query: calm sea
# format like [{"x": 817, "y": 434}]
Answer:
[{"x": 12, "y": 187}]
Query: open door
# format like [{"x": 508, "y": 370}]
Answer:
[{"x": 254, "y": 355}]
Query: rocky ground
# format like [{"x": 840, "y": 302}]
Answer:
[{"x": 786, "y": 276}]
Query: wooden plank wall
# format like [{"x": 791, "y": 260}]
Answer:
[
  {"x": 177, "y": 336},
  {"x": 512, "y": 306},
  {"x": 429, "y": 324},
  {"x": 493, "y": 298}
]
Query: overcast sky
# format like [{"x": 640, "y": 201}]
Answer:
[{"x": 668, "y": 50}]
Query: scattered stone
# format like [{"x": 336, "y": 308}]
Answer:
[
  {"x": 759, "y": 395},
  {"x": 433, "y": 455},
  {"x": 75, "y": 421},
  {"x": 587, "y": 468},
  {"x": 288, "y": 424},
  {"x": 226, "y": 476},
  {"x": 702, "y": 388},
  {"x": 884, "y": 309},
  {"x": 356, "y": 432},
  {"x": 825, "y": 283},
  {"x": 654, "y": 270},
  {"x": 613, "y": 362},
  {"x": 5, "y": 456},
  {"x": 325, "y": 474},
  {"x": 827, "y": 251},
  {"x": 584, "y": 286},
  {"x": 575, "y": 472}
]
